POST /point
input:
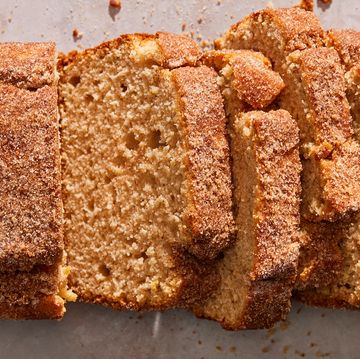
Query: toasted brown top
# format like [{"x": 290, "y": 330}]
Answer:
[
  {"x": 29, "y": 65},
  {"x": 253, "y": 78},
  {"x": 277, "y": 206},
  {"x": 165, "y": 49},
  {"x": 298, "y": 28},
  {"x": 324, "y": 85},
  {"x": 177, "y": 50},
  {"x": 347, "y": 43},
  {"x": 209, "y": 176},
  {"x": 30, "y": 198}
]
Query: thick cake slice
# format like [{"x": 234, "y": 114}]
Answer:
[
  {"x": 147, "y": 184},
  {"x": 315, "y": 96},
  {"x": 258, "y": 272},
  {"x": 342, "y": 289},
  {"x": 330, "y": 275},
  {"x": 32, "y": 279}
]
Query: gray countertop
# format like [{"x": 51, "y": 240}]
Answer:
[{"x": 90, "y": 331}]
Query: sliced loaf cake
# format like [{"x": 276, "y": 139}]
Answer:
[
  {"x": 258, "y": 272},
  {"x": 315, "y": 96},
  {"x": 146, "y": 174},
  {"x": 32, "y": 275},
  {"x": 332, "y": 276}
]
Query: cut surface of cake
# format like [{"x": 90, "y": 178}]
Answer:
[
  {"x": 314, "y": 95},
  {"x": 147, "y": 184},
  {"x": 32, "y": 275},
  {"x": 257, "y": 273}
]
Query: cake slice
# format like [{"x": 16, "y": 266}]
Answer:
[
  {"x": 147, "y": 184},
  {"x": 258, "y": 272},
  {"x": 330, "y": 275},
  {"x": 32, "y": 275},
  {"x": 314, "y": 95},
  {"x": 343, "y": 288}
]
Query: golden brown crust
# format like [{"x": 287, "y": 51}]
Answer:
[
  {"x": 278, "y": 167},
  {"x": 209, "y": 177},
  {"x": 42, "y": 307},
  {"x": 268, "y": 302},
  {"x": 320, "y": 256},
  {"x": 324, "y": 85},
  {"x": 172, "y": 50},
  {"x": 347, "y": 43},
  {"x": 177, "y": 50},
  {"x": 298, "y": 28},
  {"x": 341, "y": 176},
  {"x": 28, "y": 65},
  {"x": 314, "y": 298},
  {"x": 30, "y": 198},
  {"x": 253, "y": 78}
]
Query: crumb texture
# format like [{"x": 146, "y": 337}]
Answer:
[{"x": 135, "y": 168}]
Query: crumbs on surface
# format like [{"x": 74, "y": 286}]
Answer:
[
  {"x": 77, "y": 35},
  {"x": 115, "y": 3}
]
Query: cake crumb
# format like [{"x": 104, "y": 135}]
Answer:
[
  {"x": 183, "y": 26},
  {"x": 219, "y": 348},
  {"x": 285, "y": 349},
  {"x": 115, "y": 3},
  {"x": 77, "y": 35},
  {"x": 232, "y": 349},
  {"x": 265, "y": 349},
  {"x": 307, "y": 5},
  {"x": 300, "y": 354}
]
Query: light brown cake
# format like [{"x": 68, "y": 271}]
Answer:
[
  {"x": 315, "y": 96},
  {"x": 258, "y": 272},
  {"x": 147, "y": 184},
  {"x": 330, "y": 275},
  {"x": 32, "y": 278}
]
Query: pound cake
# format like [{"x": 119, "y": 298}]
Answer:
[
  {"x": 258, "y": 272},
  {"x": 315, "y": 96},
  {"x": 334, "y": 267},
  {"x": 32, "y": 275},
  {"x": 146, "y": 173}
]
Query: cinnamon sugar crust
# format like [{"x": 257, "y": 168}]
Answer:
[
  {"x": 252, "y": 75},
  {"x": 258, "y": 272},
  {"x": 314, "y": 94},
  {"x": 209, "y": 174},
  {"x": 31, "y": 239}
]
